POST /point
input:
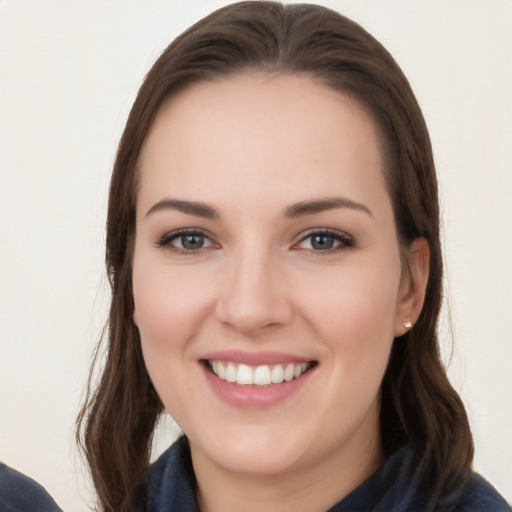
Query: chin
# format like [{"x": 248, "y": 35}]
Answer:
[
  {"x": 257, "y": 462},
  {"x": 254, "y": 450}
]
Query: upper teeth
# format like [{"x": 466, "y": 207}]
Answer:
[{"x": 263, "y": 375}]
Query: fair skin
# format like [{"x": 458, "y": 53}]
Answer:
[{"x": 289, "y": 263}]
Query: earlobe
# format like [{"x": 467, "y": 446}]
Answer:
[{"x": 413, "y": 286}]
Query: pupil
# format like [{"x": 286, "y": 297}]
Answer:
[
  {"x": 192, "y": 241},
  {"x": 322, "y": 242}
]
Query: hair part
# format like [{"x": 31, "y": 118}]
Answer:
[{"x": 419, "y": 406}]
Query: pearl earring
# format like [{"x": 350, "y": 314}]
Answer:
[{"x": 407, "y": 325}]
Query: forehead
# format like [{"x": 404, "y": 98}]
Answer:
[{"x": 256, "y": 132}]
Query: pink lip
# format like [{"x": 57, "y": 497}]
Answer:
[
  {"x": 245, "y": 397},
  {"x": 254, "y": 359}
]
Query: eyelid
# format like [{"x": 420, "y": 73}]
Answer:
[
  {"x": 165, "y": 240},
  {"x": 345, "y": 240}
]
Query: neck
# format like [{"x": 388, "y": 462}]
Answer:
[{"x": 302, "y": 489}]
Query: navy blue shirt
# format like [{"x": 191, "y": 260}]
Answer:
[
  {"x": 389, "y": 489},
  {"x": 19, "y": 493},
  {"x": 172, "y": 489}
]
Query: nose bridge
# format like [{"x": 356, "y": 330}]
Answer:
[{"x": 253, "y": 295}]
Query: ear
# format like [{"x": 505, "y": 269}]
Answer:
[{"x": 413, "y": 285}]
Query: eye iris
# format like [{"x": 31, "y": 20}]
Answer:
[
  {"x": 320, "y": 242},
  {"x": 192, "y": 241}
]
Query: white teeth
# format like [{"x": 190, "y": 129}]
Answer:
[
  {"x": 231, "y": 372},
  {"x": 220, "y": 370},
  {"x": 263, "y": 375},
  {"x": 277, "y": 374},
  {"x": 244, "y": 375},
  {"x": 288, "y": 373}
]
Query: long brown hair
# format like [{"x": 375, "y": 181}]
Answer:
[{"x": 419, "y": 406}]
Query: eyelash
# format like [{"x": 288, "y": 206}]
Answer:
[
  {"x": 166, "y": 240},
  {"x": 345, "y": 241}
]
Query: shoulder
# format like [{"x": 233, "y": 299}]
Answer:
[
  {"x": 479, "y": 496},
  {"x": 397, "y": 486},
  {"x": 19, "y": 493}
]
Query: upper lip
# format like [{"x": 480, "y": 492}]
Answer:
[{"x": 255, "y": 358}]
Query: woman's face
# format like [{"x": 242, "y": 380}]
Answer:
[{"x": 267, "y": 278}]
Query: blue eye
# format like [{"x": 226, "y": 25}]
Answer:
[
  {"x": 326, "y": 241},
  {"x": 322, "y": 242},
  {"x": 186, "y": 241},
  {"x": 192, "y": 241}
]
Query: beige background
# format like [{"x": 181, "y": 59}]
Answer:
[{"x": 69, "y": 70}]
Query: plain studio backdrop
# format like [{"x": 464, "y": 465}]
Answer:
[{"x": 69, "y": 72}]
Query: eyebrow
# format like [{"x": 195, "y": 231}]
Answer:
[
  {"x": 320, "y": 205},
  {"x": 189, "y": 207},
  {"x": 300, "y": 209}
]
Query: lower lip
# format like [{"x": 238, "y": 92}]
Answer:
[{"x": 254, "y": 396}]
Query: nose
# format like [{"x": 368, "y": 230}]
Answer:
[{"x": 254, "y": 295}]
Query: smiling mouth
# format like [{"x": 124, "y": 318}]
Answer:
[{"x": 259, "y": 376}]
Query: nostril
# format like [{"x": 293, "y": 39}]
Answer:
[
  {"x": 250, "y": 315},
  {"x": 253, "y": 297}
]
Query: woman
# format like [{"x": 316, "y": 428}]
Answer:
[{"x": 273, "y": 249}]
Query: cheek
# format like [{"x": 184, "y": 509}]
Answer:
[
  {"x": 169, "y": 306},
  {"x": 353, "y": 315},
  {"x": 168, "y": 302},
  {"x": 353, "y": 301}
]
